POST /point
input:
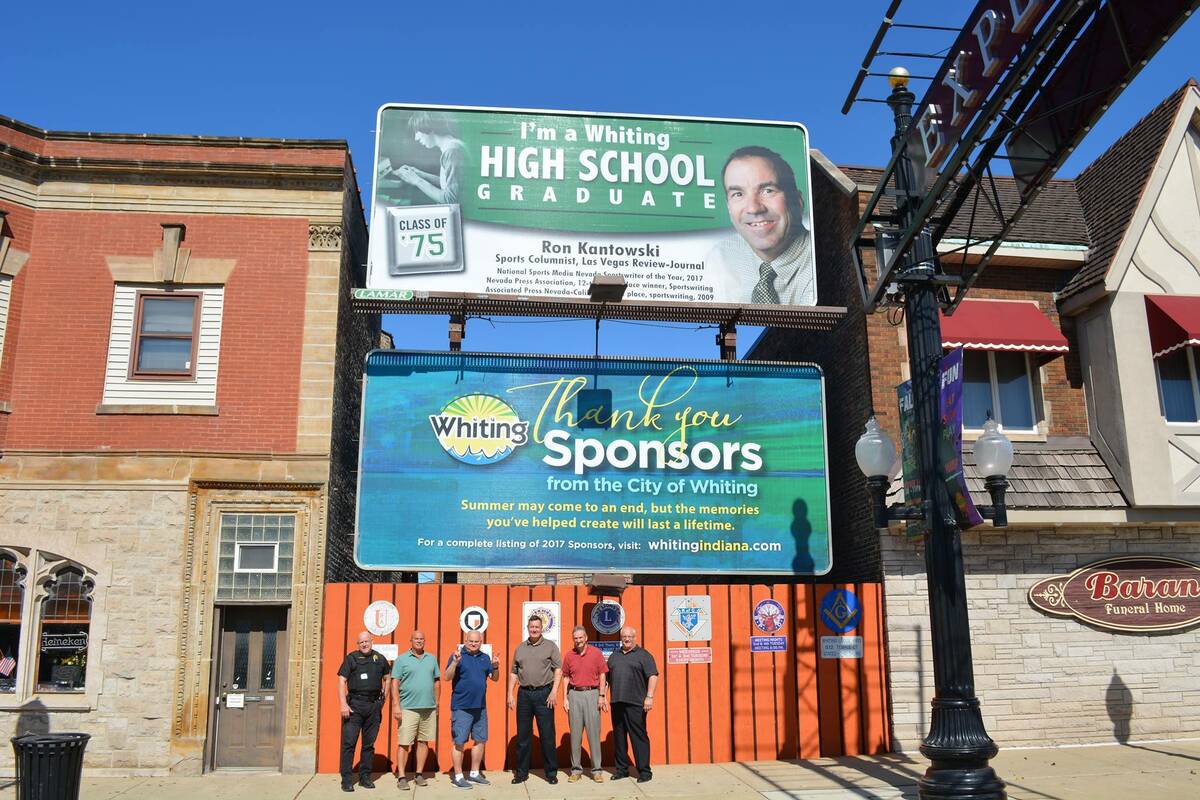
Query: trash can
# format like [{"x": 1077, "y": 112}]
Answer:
[{"x": 49, "y": 765}]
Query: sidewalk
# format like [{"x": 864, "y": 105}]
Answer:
[{"x": 1161, "y": 770}]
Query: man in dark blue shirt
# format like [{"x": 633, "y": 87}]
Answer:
[{"x": 468, "y": 670}]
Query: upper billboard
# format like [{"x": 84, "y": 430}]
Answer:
[{"x": 534, "y": 204}]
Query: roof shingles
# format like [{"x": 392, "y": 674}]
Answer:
[
  {"x": 1111, "y": 187},
  {"x": 1057, "y": 473}
]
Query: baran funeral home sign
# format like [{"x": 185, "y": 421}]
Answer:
[{"x": 1129, "y": 593}]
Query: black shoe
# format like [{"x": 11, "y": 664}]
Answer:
[
  {"x": 366, "y": 782},
  {"x": 619, "y": 775},
  {"x": 520, "y": 778},
  {"x": 551, "y": 779},
  {"x": 644, "y": 778},
  {"x": 347, "y": 786}
]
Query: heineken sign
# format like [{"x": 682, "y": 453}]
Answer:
[
  {"x": 1127, "y": 593},
  {"x": 64, "y": 641}
]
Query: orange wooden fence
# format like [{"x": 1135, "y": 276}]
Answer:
[{"x": 742, "y": 706}]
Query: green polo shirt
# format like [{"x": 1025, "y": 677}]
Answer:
[{"x": 416, "y": 677}]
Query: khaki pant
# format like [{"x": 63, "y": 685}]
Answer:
[{"x": 584, "y": 712}]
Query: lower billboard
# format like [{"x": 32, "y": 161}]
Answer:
[{"x": 498, "y": 462}]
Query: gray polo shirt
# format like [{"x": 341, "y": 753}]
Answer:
[{"x": 534, "y": 664}]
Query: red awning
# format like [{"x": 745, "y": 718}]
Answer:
[
  {"x": 1002, "y": 325},
  {"x": 1174, "y": 322}
]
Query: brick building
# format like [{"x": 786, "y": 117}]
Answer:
[
  {"x": 1070, "y": 343},
  {"x": 175, "y": 343}
]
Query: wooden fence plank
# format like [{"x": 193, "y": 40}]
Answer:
[
  {"x": 808, "y": 712},
  {"x": 875, "y": 728},
  {"x": 719, "y": 699},
  {"x": 848, "y": 685},
  {"x": 653, "y": 637},
  {"x": 742, "y": 694},
  {"x": 329, "y": 727}
]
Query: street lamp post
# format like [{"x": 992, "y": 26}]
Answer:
[{"x": 957, "y": 745}]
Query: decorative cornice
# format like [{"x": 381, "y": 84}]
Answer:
[
  {"x": 170, "y": 138},
  {"x": 43, "y": 168},
  {"x": 324, "y": 237}
]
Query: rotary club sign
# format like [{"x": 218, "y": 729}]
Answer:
[{"x": 1127, "y": 593}]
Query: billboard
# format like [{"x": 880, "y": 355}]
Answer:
[
  {"x": 534, "y": 204},
  {"x": 498, "y": 462}
]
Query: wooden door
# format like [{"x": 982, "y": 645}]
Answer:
[{"x": 251, "y": 688}]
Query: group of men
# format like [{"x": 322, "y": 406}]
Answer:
[{"x": 624, "y": 685}]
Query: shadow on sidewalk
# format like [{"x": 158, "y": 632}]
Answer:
[
  {"x": 1171, "y": 753},
  {"x": 894, "y": 771}
]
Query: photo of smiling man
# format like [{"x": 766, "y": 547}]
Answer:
[{"x": 771, "y": 263}]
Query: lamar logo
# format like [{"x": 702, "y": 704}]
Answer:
[{"x": 479, "y": 429}]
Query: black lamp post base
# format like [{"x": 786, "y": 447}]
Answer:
[
  {"x": 952, "y": 782},
  {"x": 959, "y": 749}
]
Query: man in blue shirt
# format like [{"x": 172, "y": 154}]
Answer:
[{"x": 468, "y": 670}]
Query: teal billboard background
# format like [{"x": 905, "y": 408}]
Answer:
[{"x": 480, "y": 462}]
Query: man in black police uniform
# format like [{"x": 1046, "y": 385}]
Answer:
[{"x": 362, "y": 685}]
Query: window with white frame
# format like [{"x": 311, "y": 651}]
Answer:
[
  {"x": 1000, "y": 383},
  {"x": 1177, "y": 388},
  {"x": 45, "y": 624},
  {"x": 256, "y": 556},
  {"x": 5, "y": 298},
  {"x": 164, "y": 345}
]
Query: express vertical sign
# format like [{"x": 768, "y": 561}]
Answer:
[{"x": 994, "y": 32}]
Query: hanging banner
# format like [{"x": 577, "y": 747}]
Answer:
[
  {"x": 910, "y": 464},
  {"x": 534, "y": 204},
  {"x": 486, "y": 462},
  {"x": 950, "y": 461},
  {"x": 950, "y": 440}
]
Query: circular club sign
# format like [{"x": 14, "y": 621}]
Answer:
[
  {"x": 381, "y": 618},
  {"x": 769, "y": 616},
  {"x": 473, "y": 618},
  {"x": 840, "y": 611},
  {"x": 608, "y": 616}
]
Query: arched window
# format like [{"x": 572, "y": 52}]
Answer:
[
  {"x": 63, "y": 639},
  {"x": 12, "y": 592}
]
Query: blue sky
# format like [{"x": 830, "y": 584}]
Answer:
[{"x": 321, "y": 70}]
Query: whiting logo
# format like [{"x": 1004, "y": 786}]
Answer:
[{"x": 479, "y": 429}]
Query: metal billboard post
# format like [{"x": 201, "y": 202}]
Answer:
[{"x": 957, "y": 744}]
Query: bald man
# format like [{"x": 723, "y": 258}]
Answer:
[
  {"x": 416, "y": 677},
  {"x": 632, "y": 679},
  {"x": 362, "y": 685},
  {"x": 468, "y": 670}
]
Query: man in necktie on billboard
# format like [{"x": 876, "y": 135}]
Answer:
[{"x": 772, "y": 262}]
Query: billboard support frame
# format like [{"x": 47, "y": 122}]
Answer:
[{"x": 814, "y": 318}]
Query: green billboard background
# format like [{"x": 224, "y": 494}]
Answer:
[{"x": 677, "y": 206}]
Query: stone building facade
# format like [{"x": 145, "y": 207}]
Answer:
[{"x": 172, "y": 319}]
